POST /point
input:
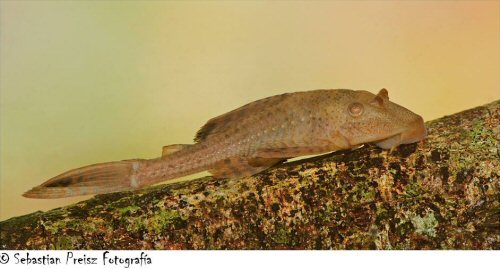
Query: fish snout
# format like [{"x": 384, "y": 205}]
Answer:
[{"x": 416, "y": 131}]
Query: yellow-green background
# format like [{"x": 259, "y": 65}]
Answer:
[{"x": 87, "y": 82}]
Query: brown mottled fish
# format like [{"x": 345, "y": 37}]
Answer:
[{"x": 253, "y": 138}]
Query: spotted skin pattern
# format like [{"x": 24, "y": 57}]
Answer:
[{"x": 254, "y": 137}]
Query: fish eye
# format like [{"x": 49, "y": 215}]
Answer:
[{"x": 356, "y": 109}]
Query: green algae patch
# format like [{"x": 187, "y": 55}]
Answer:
[
  {"x": 54, "y": 227},
  {"x": 128, "y": 210},
  {"x": 65, "y": 243},
  {"x": 280, "y": 236},
  {"x": 483, "y": 138},
  {"x": 163, "y": 220},
  {"x": 425, "y": 225}
]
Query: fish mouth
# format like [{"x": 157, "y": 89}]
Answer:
[{"x": 416, "y": 131}]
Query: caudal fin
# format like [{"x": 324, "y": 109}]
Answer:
[{"x": 92, "y": 179}]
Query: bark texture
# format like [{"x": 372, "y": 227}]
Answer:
[{"x": 442, "y": 193}]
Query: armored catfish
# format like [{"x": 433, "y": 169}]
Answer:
[{"x": 253, "y": 138}]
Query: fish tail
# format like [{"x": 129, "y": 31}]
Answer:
[{"x": 91, "y": 179}]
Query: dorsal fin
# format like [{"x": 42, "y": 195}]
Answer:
[
  {"x": 209, "y": 127},
  {"x": 223, "y": 122},
  {"x": 168, "y": 150}
]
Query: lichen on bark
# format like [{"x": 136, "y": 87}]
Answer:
[{"x": 442, "y": 193}]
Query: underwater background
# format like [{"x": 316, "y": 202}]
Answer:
[{"x": 88, "y": 82}]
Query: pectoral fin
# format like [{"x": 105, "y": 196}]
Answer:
[
  {"x": 332, "y": 143},
  {"x": 390, "y": 142},
  {"x": 291, "y": 152}
]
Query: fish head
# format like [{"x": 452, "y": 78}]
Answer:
[{"x": 370, "y": 118}]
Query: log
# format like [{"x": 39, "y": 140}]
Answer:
[{"x": 441, "y": 193}]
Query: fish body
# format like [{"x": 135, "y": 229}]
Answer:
[{"x": 255, "y": 137}]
